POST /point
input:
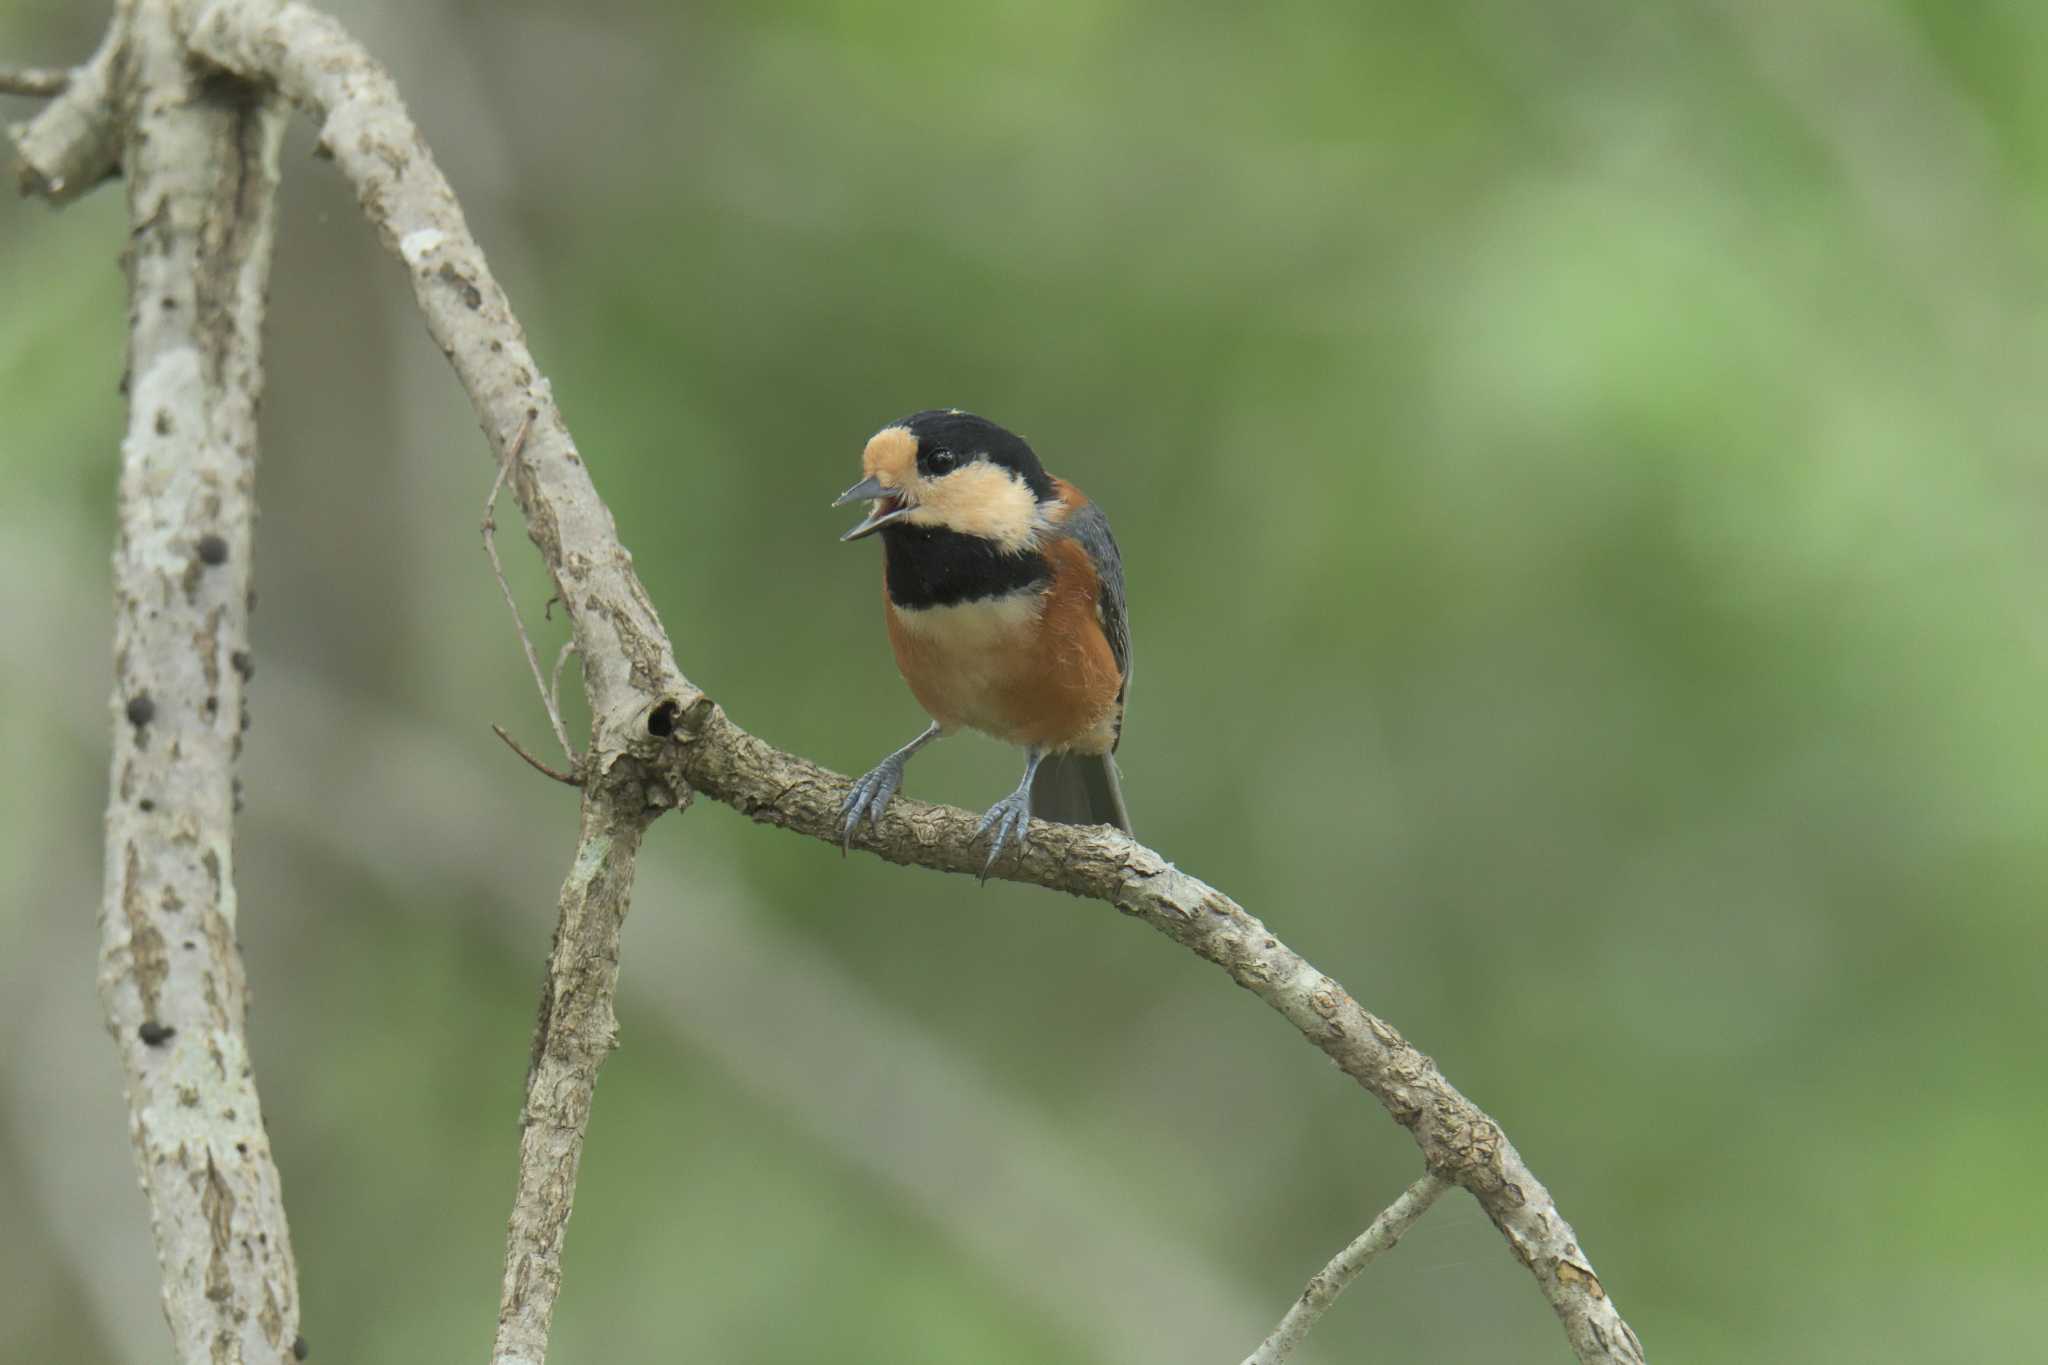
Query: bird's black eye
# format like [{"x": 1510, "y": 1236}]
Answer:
[{"x": 940, "y": 461}]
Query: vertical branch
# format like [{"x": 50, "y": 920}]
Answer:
[
  {"x": 636, "y": 693},
  {"x": 576, "y": 1029},
  {"x": 201, "y": 158}
]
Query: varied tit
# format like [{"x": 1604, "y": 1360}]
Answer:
[{"x": 1004, "y": 598}]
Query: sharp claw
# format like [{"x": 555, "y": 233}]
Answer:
[
  {"x": 1011, "y": 817},
  {"x": 870, "y": 795}
]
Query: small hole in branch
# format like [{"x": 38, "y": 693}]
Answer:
[{"x": 661, "y": 722}]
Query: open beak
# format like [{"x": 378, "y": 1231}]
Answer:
[{"x": 887, "y": 506}]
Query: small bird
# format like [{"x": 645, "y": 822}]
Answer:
[{"x": 1004, "y": 597}]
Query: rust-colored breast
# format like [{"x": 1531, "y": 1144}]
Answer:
[{"x": 1031, "y": 669}]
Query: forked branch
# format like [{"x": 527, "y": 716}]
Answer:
[{"x": 655, "y": 736}]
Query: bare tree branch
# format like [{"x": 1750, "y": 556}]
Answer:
[
  {"x": 202, "y": 162},
  {"x": 1326, "y": 1284},
  {"x": 655, "y": 736},
  {"x": 36, "y": 82},
  {"x": 1458, "y": 1140},
  {"x": 74, "y": 143}
]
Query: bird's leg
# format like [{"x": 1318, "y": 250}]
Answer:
[
  {"x": 1010, "y": 816},
  {"x": 872, "y": 792}
]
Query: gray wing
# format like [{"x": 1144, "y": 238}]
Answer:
[{"x": 1090, "y": 529}]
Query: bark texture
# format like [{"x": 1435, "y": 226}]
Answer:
[
  {"x": 201, "y": 159},
  {"x": 624, "y": 651},
  {"x": 74, "y": 144}
]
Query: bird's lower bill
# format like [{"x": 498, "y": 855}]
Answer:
[{"x": 880, "y": 513}]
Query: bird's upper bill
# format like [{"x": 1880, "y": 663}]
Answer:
[
  {"x": 890, "y": 463},
  {"x": 887, "y": 507}
]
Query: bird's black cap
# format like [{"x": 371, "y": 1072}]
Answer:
[{"x": 968, "y": 437}]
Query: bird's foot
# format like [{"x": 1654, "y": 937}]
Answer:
[
  {"x": 869, "y": 796},
  {"x": 1009, "y": 817}
]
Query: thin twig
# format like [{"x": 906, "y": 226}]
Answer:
[
  {"x": 1326, "y": 1284},
  {"x": 547, "y": 696},
  {"x": 37, "y": 82},
  {"x": 567, "y": 779},
  {"x": 555, "y": 678}
]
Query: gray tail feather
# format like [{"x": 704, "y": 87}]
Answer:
[{"x": 1079, "y": 789}]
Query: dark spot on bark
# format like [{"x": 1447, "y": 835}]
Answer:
[
  {"x": 238, "y": 796},
  {"x": 242, "y": 1148},
  {"x": 145, "y": 805},
  {"x": 323, "y": 150},
  {"x": 661, "y": 722},
  {"x": 170, "y": 304},
  {"x": 213, "y": 549},
  {"x": 163, "y": 422},
  {"x": 455, "y": 279},
  {"x": 299, "y": 1348},
  {"x": 497, "y": 346},
  {"x": 212, "y": 707},
  {"x": 242, "y": 664},
  {"x": 141, "y": 710},
  {"x": 226, "y": 90},
  {"x": 155, "y": 1034}
]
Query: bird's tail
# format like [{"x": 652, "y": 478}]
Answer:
[{"x": 1079, "y": 789}]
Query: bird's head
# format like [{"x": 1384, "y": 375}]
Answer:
[{"x": 951, "y": 470}]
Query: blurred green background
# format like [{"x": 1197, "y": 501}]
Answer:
[{"x": 1580, "y": 470}]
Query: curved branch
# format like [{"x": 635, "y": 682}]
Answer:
[
  {"x": 630, "y": 677},
  {"x": 1459, "y": 1141},
  {"x": 656, "y": 735}
]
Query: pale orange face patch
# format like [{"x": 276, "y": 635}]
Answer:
[{"x": 891, "y": 457}]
